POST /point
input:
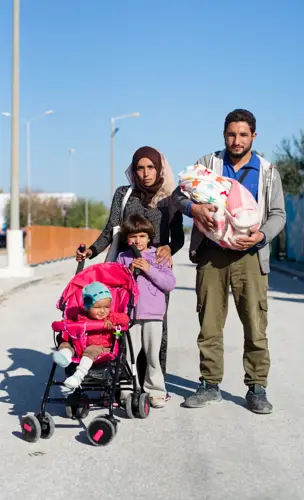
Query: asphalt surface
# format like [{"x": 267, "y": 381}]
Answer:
[{"x": 220, "y": 452}]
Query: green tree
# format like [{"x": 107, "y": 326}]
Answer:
[
  {"x": 97, "y": 214},
  {"x": 290, "y": 163}
]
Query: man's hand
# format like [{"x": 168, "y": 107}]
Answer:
[
  {"x": 203, "y": 213},
  {"x": 163, "y": 255},
  {"x": 246, "y": 242},
  {"x": 141, "y": 264}
]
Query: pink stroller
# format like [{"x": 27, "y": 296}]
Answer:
[{"x": 109, "y": 373}]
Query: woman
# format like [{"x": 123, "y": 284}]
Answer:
[{"x": 152, "y": 181}]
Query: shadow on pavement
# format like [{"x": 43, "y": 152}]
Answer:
[
  {"x": 24, "y": 392},
  {"x": 279, "y": 282},
  {"x": 181, "y": 387}
]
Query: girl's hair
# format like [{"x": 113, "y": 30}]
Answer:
[{"x": 137, "y": 224}]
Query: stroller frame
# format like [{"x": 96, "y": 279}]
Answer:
[
  {"x": 107, "y": 378},
  {"x": 95, "y": 385}
]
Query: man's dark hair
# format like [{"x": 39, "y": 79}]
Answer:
[
  {"x": 241, "y": 115},
  {"x": 137, "y": 224}
]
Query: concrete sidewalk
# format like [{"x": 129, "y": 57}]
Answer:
[
  {"x": 44, "y": 272},
  {"x": 221, "y": 452},
  {"x": 293, "y": 269}
]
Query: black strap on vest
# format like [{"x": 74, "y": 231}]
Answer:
[{"x": 243, "y": 176}]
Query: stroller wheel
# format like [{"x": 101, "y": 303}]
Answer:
[
  {"x": 100, "y": 431},
  {"x": 143, "y": 406},
  {"x": 47, "y": 425},
  {"x": 130, "y": 406},
  {"x": 31, "y": 429}
]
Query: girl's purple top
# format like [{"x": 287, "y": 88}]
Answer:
[{"x": 152, "y": 285}]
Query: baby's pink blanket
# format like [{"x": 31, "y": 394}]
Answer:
[{"x": 237, "y": 211}]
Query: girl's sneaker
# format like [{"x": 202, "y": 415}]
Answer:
[{"x": 157, "y": 401}]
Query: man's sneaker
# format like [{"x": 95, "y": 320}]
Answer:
[
  {"x": 206, "y": 394},
  {"x": 257, "y": 400}
]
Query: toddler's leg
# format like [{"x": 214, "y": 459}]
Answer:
[
  {"x": 63, "y": 356},
  {"x": 89, "y": 355},
  {"x": 154, "y": 383}
]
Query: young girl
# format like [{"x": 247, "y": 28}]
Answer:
[
  {"x": 97, "y": 300},
  {"x": 154, "y": 280}
]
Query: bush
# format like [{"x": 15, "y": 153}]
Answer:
[
  {"x": 49, "y": 212},
  {"x": 290, "y": 163}
]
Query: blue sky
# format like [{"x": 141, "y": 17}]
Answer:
[{"x": 182, "y": 65}]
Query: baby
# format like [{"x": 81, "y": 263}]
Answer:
[
  {"x": 97, "y": 300},
  {"x": 237, "y": 211}
]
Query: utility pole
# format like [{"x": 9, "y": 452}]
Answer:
[
  {"x": 15, "y": 252},
  {"x": 14, "y": 215}
]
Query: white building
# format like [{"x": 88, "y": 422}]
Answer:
[{"x": 64, "y": 199}]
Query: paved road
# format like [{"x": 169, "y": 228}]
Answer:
[{"x": 220, "y": 452}]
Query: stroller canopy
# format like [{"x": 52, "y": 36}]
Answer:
[{"x": 116, "y": 277}]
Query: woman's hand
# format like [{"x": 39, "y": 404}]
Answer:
[
  {"x": 141, "y": 264},
  {"x": 163, "y": 255},
  {"x": 80, "y": 256}
]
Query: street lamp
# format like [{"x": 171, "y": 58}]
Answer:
[
  {"x": 71, "y": 151},
  {"x": 114, "y": 131},
  {"x": 28, "y": 124}
]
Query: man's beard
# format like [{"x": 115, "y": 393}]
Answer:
[{"x": 238, "y": 156}]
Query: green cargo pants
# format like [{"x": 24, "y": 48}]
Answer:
[{"x": 216, "y": 272}]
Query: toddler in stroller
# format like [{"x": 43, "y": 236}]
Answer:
[
  {"x": 91, "y": 345},
  {"x": 97, "y": 300}
]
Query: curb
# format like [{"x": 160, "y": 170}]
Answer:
[
  {"x": 27, "y": 284},
  {"x": 288, "y": 272}
]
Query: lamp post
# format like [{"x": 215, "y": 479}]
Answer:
[
  {"x": 86, "y": 210},
  {"x": 71, "y": 151},
  {"x": 114, "y": 131},
  {"x": 28, "y": 124}
]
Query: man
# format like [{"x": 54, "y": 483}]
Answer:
[{"x": 244, "y": 270}]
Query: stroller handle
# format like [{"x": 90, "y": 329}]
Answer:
[
  {"x": 137, "y": 254},
  {"x": 80, "y": 265},
  {"x": 82, "y": 249}
]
